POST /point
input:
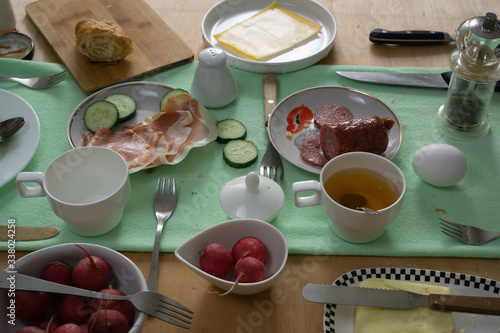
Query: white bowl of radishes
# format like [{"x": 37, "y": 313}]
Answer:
[
  {"x": 227, "y": 235},
  {"x": 121, "y": 274}
]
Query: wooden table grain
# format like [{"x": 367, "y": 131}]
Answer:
[{"x": 282, "y": 308}]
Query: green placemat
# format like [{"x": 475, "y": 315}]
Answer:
[{"x": 203, "y": 173}]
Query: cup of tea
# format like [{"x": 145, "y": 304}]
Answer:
[
  {"x": 361, "y": 193},
  {"x": 88, "y": 187}
]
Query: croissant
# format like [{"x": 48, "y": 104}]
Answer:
[{"x": 102, "y": 41}]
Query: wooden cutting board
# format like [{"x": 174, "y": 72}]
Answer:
[{"x": 157, "y": 46}]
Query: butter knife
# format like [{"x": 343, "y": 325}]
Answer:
[
  {"x": 16, "y": 233},
  {"x": 400, "y": 299}
]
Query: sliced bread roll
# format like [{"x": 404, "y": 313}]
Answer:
[{"x": 102, "y": 41}]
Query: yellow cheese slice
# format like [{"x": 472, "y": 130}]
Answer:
[
  {"x": 418, "y": 320},
  {"x": 268, "y": 33}
]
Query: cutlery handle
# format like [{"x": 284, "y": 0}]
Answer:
[
  {"x": 469, "y": 304},
  {"x": 409, "y": 37},
  {"x": 19, "y": 281},
  {"x": 270, "y": 87}
]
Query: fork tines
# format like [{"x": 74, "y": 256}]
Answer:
[
  {"x": 453, "y": 230},
  {"x": 273, "y": 173},
  {"x": 174, "y": 312}
]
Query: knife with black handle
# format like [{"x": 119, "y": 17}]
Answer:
[{"x": 410, "y": 37}]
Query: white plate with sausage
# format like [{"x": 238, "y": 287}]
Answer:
[{"x": 360, "y": 104}]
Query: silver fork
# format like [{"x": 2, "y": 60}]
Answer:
[
  {"x": 148, "y": 302},
  {"x": 39, "y": 82},
  {"x": 164, "y": 205},
  {"x": 467, "y": 234},
  {"x": 271, "y": 165}
]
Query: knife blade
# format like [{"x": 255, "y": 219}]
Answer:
[
  {"x": 399, "y": 299},
  {"x": 26, "y": 233},
  {"x": 410, "y": 37},
  {"x": 441, "y": 80}
]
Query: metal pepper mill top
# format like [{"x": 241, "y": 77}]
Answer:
[{"x": 475, "y": 64}]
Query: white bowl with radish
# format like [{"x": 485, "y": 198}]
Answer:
[
  {"x": 125, "y": 277},
  {"x": 222, "y": 238}
]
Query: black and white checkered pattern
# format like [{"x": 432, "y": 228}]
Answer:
[{"x": 353, "y": 278}]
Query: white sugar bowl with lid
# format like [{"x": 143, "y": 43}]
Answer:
[{"x": 252, "y": 196}]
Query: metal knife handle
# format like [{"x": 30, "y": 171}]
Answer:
[
  {"x": 469, "y": 304},
  {"x": 270, "y": 88},
  {"x": 409, "y": 37},
  {"x": 25, "y": 282}
]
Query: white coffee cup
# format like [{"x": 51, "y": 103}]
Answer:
[
  {"x": 353, "y": 225},
  {"x": 88, "y": 187}
]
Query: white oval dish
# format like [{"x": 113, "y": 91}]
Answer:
[
  {"x": 127, "y": 276},
  {"x": 227, "y": 234},
  {"x": 227, "y": 13},
  {"x": 360, "y": 104}
]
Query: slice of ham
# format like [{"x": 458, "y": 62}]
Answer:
[{"x": 164, "y": 138}]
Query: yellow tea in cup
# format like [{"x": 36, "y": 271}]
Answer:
[{"x": 380, "y": 192}]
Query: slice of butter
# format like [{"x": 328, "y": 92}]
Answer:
[
  {"x": 268, "y": 33},
  {"x": 418, "y": 320}
]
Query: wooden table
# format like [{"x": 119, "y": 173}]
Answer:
[{"x": 282, "y": 308}]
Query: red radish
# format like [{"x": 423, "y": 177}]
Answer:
[
  {"x": 69, "y": 328},
  {"x": 124, "y": 307},
  {"x": 48, "y": 325},
  {"x": 73, "y": 309},
  {"x": 30, "y": 329},
  {"x": 91, "y": 273},
  {"x": 31, "y": 305},
  {"x": 249, "y": 246},
  {"x": 248, "y": 270},
  {"x": 108, "y": 321},
  {"x": 58, "y": 272},
  {"x": 216, "y": 260},
  {"x": 84, "y": 328}
]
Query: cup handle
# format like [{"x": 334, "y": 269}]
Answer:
[
  {"x": 30, "y": 191},
  {"x": 311, "y": 200}
]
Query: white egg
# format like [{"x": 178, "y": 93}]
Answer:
[{"x": 440, "y": 164}]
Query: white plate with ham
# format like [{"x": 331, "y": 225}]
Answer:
[
  {"x": 152, "y": 137},
  {"x": 290, "y": 125}
]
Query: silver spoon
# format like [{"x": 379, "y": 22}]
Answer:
[
  {"x": 358, "y": 202},
  {"x": 10, "y": 127}
]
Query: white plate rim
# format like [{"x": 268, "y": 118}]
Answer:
[
  {"x": 25, "y": 142},
  {"x": 80, "y": 109},
  {"x": 459, "y": 283},
  {"x": 290, "y": 61},
  {"x": 292, "y": 155}
]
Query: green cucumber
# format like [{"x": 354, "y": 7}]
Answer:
[
  {"x": 240, "y": 153},
  {"x": 230, "y": 129},
  {"x": 100, "y": 113},
  {"x": 171, "y": 93},
  {"x": 126, "y": 105}
]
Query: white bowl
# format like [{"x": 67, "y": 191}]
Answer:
[
  {"x": 126, "y": 275},
  {"x": 228, "y": 233}
]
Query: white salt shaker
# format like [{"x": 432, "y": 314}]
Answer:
[
  {"x": 213, "y": 84},
  {"x": 7, "y": 17}
]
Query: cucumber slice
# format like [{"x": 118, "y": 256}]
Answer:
[
  {"x": 100, "y": 113},
  {"x": 171, "y": 93},
  {"x": 240, "y": 153},
  {"x": 126, "y": 105},
  {"x": 230, "y": 129}
]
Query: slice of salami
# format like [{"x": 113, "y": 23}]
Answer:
[
  {"x": 309, "y": 151},
  {"x": 361, "y": 134},
  {"x": 330, "y": 114}
]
